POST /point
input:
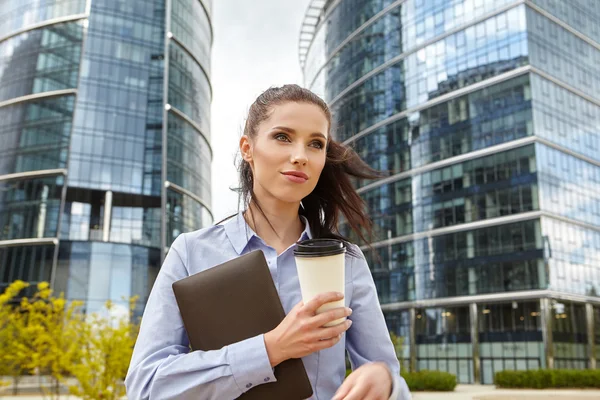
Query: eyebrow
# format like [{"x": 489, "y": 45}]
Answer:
[{"x": 290, "y": 130}]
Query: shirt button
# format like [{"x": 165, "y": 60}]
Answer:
[
  {"x": 267, "y": 379},
  {"x": 248, "y": 386}
]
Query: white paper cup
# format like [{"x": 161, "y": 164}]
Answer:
[{"x": 321, "y": 268}]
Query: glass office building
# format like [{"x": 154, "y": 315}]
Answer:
[
  {"x": 486, "y": 117},
  {"x": 104, "y": 141}
]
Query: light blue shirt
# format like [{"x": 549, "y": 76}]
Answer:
[{"x": 162, "y": 367}]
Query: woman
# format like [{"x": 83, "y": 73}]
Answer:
[{"x": 295, "y": 180}]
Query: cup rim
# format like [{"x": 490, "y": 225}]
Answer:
[{"x": 305, "y": 249}]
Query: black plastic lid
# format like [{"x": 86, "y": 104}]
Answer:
[{"x": 319, "y": 248}]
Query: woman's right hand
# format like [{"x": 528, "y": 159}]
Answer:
[{"x": 302, "y": 333}]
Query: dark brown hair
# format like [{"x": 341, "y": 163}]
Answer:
[{"x": 334, "y": 193}]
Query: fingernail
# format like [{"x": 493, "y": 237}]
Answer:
[
  {"x": 348, "y": 311},
  {"x": 349, "y": 321},
  {"x": 340, "y": 295}
]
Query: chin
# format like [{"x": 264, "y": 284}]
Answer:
[{"x": 289, "y": 197}]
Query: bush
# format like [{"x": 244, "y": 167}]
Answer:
[
  {"x": 545, "y": 378},
  {"x": 435, "y": 381}
]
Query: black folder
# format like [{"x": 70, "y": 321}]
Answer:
[{"x": 234, "y": 301}]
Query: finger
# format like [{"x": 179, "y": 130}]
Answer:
[
  {"x": 327, "y": 343},
  {"x": 324, "y": 333},
  {"x": 343, "y": 390},
  {"x": 320, "y": 299},
  {"x": 330, "y": 315},
  {"x": 359, "y": 391}
]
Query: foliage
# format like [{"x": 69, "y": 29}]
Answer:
[
  {"x": 107, "y": 345},
  {"x": 398, "y": 342},
  {"x": 430, "y": 381},
  {"x": 14, "y": 355},
  {"x": 545, "y": 378},
  {"x": 46, "y": 335}
]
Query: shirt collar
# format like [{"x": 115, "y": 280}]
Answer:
[{"x": 240, "y": 233}]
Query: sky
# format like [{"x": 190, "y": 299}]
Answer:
[{"x": 255, "y": 47}]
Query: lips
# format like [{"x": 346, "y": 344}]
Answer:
[
  {"x": 296, "y": 176},
  {"x": 296, "y": 173}
]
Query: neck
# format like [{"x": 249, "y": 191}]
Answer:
[{"x": 279, "y": 227}]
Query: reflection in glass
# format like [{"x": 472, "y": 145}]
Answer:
[
  {"x": 444, "y": 341},
  {"x": 415, "y": 80},
  {"x": 95, "y": 272},
  {"x": 510, "y": 337},
  {"x": 566, "y": 57},
  {"x": 32, "y": 264},
  {"x": 569, "y": 335},
  {"x": 190, "y": 25},
  {"x": 30, "y": 207},
  {"x": 116, "y": 140},
  {"x": 565, "y": 118},
  {"x": 41, "y": 60},
  {"x": 189, "y": 89},
  {"x": 188, "y": 157},
  {"x": 21, "y": 14},
  {"x": 35, "y": 134},
  {"x": 500, "y": 258},
  {"x": 184, "y": 214}
]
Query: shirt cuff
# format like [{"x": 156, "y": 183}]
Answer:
[
  {"x": 400, "y": 389},
  {"x": 250, "y": 363}
]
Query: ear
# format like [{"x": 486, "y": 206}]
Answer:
[{"x": 246, "y": 148}]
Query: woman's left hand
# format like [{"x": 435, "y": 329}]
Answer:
[{"x": 371, "y": 381}]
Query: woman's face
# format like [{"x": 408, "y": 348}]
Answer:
[{"x": 288, "y": 152}]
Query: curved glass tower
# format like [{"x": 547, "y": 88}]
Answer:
[
  {"x": 105, "y": 141},
  {"x": 486, "y": 115}
]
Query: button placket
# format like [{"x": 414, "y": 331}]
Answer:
[{"x": 272, "y": 262}]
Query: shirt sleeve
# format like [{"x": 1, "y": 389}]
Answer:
[
  {"x": 162, "y": 365},
  {"x": 368, "y": 339}
]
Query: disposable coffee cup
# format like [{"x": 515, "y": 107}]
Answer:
[{"x": 321, "y": 268}]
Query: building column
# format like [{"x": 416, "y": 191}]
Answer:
[
  {"x": 412, "y": 367},
  {"x": 41, "y": 225},
  {"x": 546, "y": 311},
  {"x": 589, "y": 317},
  {"x": 474, "y": 317},
  {"x": 107, "y": 216}
]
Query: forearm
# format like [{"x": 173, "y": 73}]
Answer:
[{"x": 218, "y": 374}]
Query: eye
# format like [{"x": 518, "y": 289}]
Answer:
[
  {"x": 317, "y": 144},
  {"x": 282, "y": 137}
]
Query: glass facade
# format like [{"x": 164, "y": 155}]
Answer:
[
  {"x": 444, "y": 341},
  {"x": 106, "y": 141},
  {"x": 510, "y": 337},
  {"x": 35, "y": 134},
  {"x": 484, "y": 117}
]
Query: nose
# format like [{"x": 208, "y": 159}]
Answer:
[{"x": 298, "y": 156}]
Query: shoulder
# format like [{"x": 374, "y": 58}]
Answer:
[
  {"x": 190, "y": 242},
  {"x": 208, "y": 236},
  {"x": 354, "y": 253}
]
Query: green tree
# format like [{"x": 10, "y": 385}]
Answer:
[
  {"x": 53, "y": 327},
  {"x": 50, "y": 336},
  {"x": 107, "y": 346},
  {"x": 398, "y": 342},
  {"x": 14, "y": 354}
]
